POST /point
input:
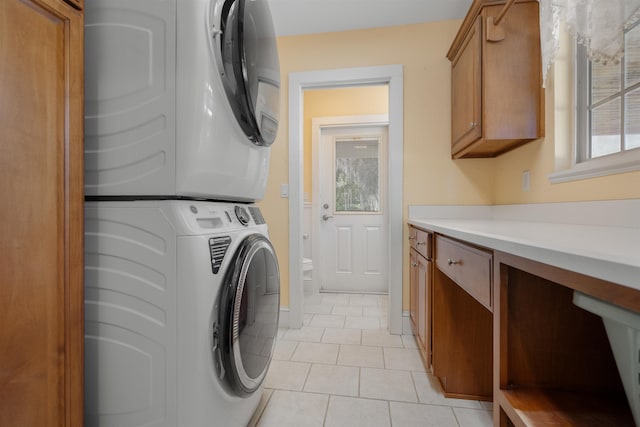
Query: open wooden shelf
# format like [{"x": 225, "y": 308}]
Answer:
[
  {"x": 554, "y": 364},
  {"x": 543, "y": 407}
]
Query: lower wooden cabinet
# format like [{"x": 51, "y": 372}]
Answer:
[
  {"x": 462, "y": 341},
  {"x": 462, "y": 319},
  {"x": 450, "y": 288},
  {"x": 420, "y": 289}
]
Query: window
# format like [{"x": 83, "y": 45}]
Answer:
[
  {"x": 608, "y": 105},
  {"x": 357, "y": 175}
]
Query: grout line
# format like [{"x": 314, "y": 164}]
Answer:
[{"x": 326, "y": 411}]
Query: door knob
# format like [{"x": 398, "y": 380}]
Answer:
[{"x": 326, "y": 217}]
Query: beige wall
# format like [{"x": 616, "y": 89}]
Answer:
[
  {"x": 430, "y": 176},
  {"x": 541, "y": 159},
  {"x": 351, "y": 101}
]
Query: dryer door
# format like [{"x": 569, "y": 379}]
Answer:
[
  {"x": 250, "y": 67},
  {"x": 249, "y": 306}
]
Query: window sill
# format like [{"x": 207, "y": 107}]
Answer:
[{"x": 602, "y": 166}]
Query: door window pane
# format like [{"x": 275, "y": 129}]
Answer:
[{"x": 357, "y": 172}]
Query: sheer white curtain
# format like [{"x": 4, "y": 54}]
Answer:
[{"x": 597, "y": 24}]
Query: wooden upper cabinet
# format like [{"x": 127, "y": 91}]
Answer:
[
  {"x": 41, "y": 214},
  {"x": 497, "y": 97},
  {"x": 466, "y": 90},
  {"x": 78, "y": 4}
]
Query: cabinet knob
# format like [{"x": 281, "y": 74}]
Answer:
[
  {"x": 421, "y": 243},
  {"x": 452, "y": 262},
  {"x": 414, "y": 264},
  {"x": 473, "y": 124},
  {"x": 412, "y": 238}
]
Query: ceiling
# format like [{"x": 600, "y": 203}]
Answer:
[{"x": 294, "y": 17}]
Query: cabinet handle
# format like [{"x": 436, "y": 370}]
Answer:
[
  {"x": 452, "y": 262},
  {"x": 414, "y": 264},
  {"x": 473, "y": 124},
  {"x": 421, "y": 243},
  {"x": 412, "y": 238}
]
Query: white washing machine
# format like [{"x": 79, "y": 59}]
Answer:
[
  {"x": 181, "y": 98},
  {"x": 181, "y": 313}
]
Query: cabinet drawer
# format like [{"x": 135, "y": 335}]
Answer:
[
  {"x": 469, "y": 267},
  {"x": 420, "y": 240}
]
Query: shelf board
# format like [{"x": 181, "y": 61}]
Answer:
[{"x": 542, "y": 407}]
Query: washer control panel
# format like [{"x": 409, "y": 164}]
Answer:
[{"x": 242, "y": 215}]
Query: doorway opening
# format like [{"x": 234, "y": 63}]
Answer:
[{"x": 390, "y": 75}]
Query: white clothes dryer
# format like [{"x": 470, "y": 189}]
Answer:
[
  {"x": 181, "y": 98},
  {"x": 181, "y": 313}
]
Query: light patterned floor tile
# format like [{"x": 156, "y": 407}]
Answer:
[
  {"x": 429, "y": 391},
  {"x": 364, "y": 300},
  {"x": 410, "y": 414},
  {"x": 333, "y": 379},
  {"x": 354, "y": 412},
  {"x": 374, "y": 311},
  {"x": 359, "y": 355},
  {"x": 306, "y": 333},
  {"x": 293, "y": 409},
  {"x": 316, "y": 353},
  {"x": 473, "y": 417},
  {"x": 287, "y": 375},
  {"x": 306, "y": 319},
  {"x": 361, "y": 322},
  {"x": 381, "y": 338},
  {"x": 333, "y": 375},
  {"x": 406, "y": 359},
  {"x": 347, "y": 310},
  {"x": 387, "y": 384},
  {"x": 327, "y": 321},
  {"x": 284, "y": 349},
  {"x": 341, "y": 336},
  {"x": 409, "y": 341},
  {"x": 318, "y": 309},
  {"x": 332, "y": 299}
]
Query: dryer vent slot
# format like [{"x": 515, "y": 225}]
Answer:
[
  {"x": 256, "y": 215},
  {"x": 218, "y": 247}
]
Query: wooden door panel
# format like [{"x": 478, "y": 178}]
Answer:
[{"x": 40, "y": 214}]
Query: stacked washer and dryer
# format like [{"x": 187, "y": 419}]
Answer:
[{"x": 181, "y": 281}]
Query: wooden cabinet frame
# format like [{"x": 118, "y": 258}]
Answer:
[
  {"x": 420, "y": 291},
  {"x": 552, "y": 360}
]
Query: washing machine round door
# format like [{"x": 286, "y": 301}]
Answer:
[
  {"x": 250, "y": 68},
  {"x": 247, "y": 325}
]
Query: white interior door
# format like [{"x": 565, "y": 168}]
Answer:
[{"x": 353, "y": 219}]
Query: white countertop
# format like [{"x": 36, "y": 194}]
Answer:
[{"x": 610, "y": 253}]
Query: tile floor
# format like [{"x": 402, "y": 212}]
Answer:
[{"x": 343, "y": 368}]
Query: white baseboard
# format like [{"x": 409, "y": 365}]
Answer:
[
  {"x": 406, "y": 323},
  {"x": 283, "y": 321}
]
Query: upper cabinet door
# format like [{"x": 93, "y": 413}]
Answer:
[
  {"x": 41, "y": 214},
  {"x": 466, "y": 90}
]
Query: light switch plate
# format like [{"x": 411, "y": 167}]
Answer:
[
  {"x": 526, "y": 180},
  {"x": 284, "y": 190}
]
